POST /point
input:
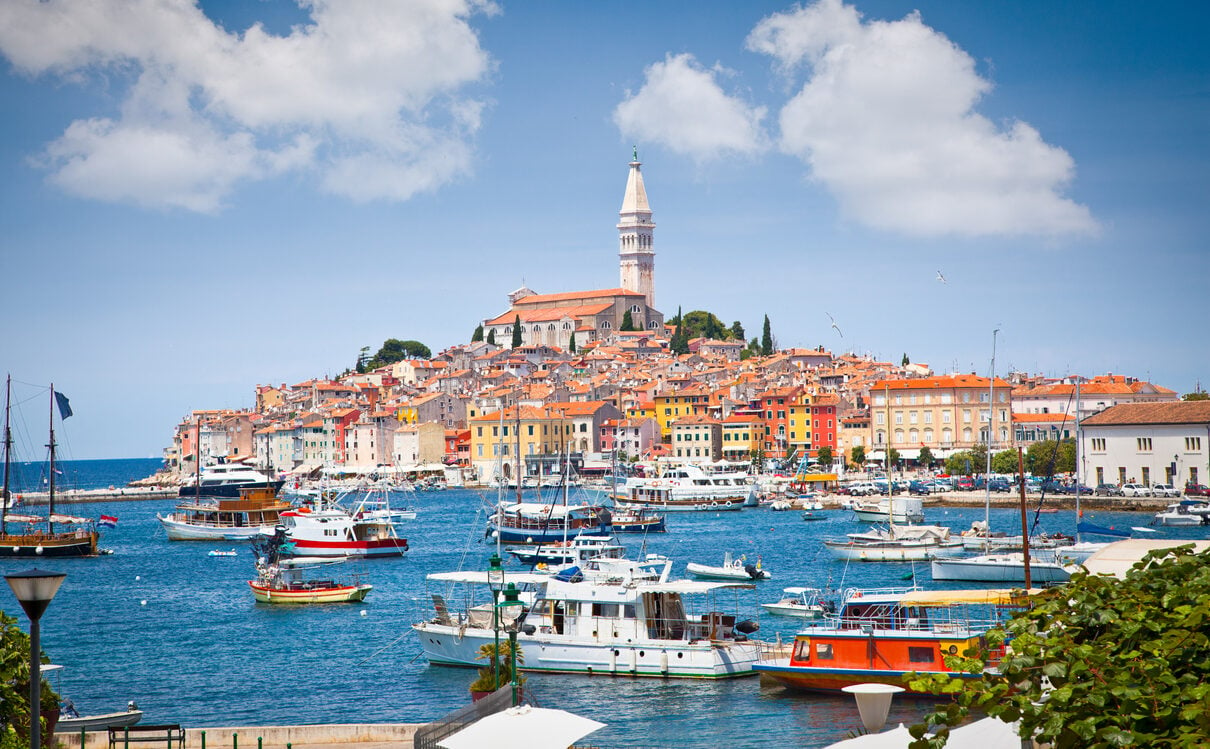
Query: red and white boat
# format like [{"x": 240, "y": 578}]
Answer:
[
  {"x": 335, "y": 532},
  {"x": 282, "y": 583}
]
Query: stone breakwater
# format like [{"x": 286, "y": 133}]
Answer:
[{"x": 111, "y": 494}]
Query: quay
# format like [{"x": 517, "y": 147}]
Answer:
[
  {"x": 346, "y": 736},
  {"x": 111, "y": 494}
]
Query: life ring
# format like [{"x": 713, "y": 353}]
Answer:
[
  {"x": 727, "y": 503},
  {"x": 714, "y": 504}
]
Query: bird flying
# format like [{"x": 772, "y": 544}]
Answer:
[
  {"x": 941, "y": 278},
  {"x": 834, "y": 325}
]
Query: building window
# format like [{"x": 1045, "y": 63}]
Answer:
[{"x": 1144, "y": 444}]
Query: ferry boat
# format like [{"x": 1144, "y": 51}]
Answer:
[
  {"x": 226, "y": 480},
  {"x": 688, "y": 487},
  {"x": 254, "y": 511},
  {"x": 616, "y": 622},
  {"x": 547, "y": 523},
  {"x": 882, "y": 635}
]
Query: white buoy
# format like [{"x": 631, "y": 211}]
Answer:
[
  {"x": 143, "y": 602},
  {"x": 363, "y": 612},
  {"x": 137, "y": 578}
]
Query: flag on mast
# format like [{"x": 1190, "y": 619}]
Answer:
[{"x": 64, "y": 405}]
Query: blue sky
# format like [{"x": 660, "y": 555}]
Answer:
[{"x": 198, "y": 198}]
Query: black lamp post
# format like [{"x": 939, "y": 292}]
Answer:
[
  {"x": 34, "y": 589},
  {"x": 512, "y": 598},
  {"x": 495, "y": 581}
]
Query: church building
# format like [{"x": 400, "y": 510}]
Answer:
[{"x": 550, "y": 319}]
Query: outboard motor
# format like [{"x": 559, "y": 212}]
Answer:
[
  {"x": 753, "y": 572},
  {"x": 747, "y": 626}
]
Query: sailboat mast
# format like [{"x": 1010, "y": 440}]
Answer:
[
  {"x": 50, "y": 523},
  {"x": 1079, "y": 478},
  {"x": 991, "y": 422},
  {"x": 517, "y": 429},
  {"x": 8, "y": 449},
  {"x": 197, "y": 458}
]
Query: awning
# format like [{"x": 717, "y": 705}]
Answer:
[
  {"x": 991, "y": 597},
  {"x": 523, "y": 727},
  {"x": 1118, "y": 557},
  {"x": 304, "y": 468}
]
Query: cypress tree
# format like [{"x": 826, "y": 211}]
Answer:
[
  {"x": 766, "y": 339},
  {"x": 627, "y": 322},
  {"x": 571, "y": 346},
  {"x": 516, "y": 331},
  {"x": 491, "y": 336},
  {"x": 478, "y": 334}
]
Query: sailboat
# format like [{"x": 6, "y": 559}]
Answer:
[{"x": 23, "y": 535}]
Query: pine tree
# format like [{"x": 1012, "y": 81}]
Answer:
[
  {"x": 516, "y": 331},
  {"x": 905, "y": 360},
  {"x": 627, "y": 322},
  {"x": 491, "y": 336},
  {"x": 571, "y": 346},
  {"x": 766, "y": 339},
  {"x": 478, "y": 334}
]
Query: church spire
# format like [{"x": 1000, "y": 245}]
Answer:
[{"x": 636, "y": 236}]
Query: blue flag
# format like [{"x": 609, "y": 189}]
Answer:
[{"x": 64, "y": 406}]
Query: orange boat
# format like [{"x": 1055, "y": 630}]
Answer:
[{"x": 882, "y": 635}]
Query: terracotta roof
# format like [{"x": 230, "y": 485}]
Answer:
[
  {"x": 1043, "y": 418},
  {"x": 1180, "y": 412},
  {"x": 548, "y": 314},
  {"x": 570, "y": 295},
  {"x": 944, "y": 381}
]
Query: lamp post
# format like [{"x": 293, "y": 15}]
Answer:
[
  {"x": 512, "y": 598},
  {"x": 34, "y": 589},
  {"x": 495, "y": 581}
]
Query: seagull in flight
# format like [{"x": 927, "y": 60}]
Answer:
[
  {"x": 941, "y": 278},
  {"x": 834, "y": 325}
]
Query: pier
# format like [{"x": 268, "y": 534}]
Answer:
[{"x": 110, "y": 494}]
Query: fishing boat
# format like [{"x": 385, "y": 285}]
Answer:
[
  {"x": 29, "y": 535},
  {"x": 254, "y": 511},
  {"x": 281, "y": 580},
  {"x": 882, "y": 635},
  {"x": 333, "y": 531},
  {"x": 731, "y": 569},
  {"x": 685, "y": 488},
  {"x": 70, "y": 720},
  {"x": 638, "y": 520},
  {"x": 896, "y": 543},
  {"x": 615, "y": 625},
  {"x": 803, "y": 603}
]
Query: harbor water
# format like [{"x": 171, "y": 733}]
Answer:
[{"x": 175, "y": 629}]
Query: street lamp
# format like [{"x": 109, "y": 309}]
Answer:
[
  {"x": 495, "y": 581},
  {"x": 34, "y": 589},
  {"x": 512, "y": 598}
]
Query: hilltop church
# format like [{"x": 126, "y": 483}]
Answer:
[{"x": 550, "y": 319}]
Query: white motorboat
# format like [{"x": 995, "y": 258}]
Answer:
[
  {"x": 803, "y": 603},
  {"x": 1004, "y": 568},
  {"x": 688, "y": 487},
  {"x": 896, "y": 543},
  {"x": 731, "y": 569},
  {"x": 1180, "y": 514},
  {"x": 572, "y": 551},
  {"x": 228, "y": 480},
  {"x": 334, "y": 532},
  {"x": 895, "y": 510},
  {"x": 610, "y": 625},
  {"x": 70, "y": 720}
]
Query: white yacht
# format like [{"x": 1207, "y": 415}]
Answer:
[{"x": 688, "y": 487}]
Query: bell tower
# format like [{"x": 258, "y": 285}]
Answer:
[{"x": 636, "y": 240}]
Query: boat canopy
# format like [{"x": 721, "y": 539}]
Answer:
[
  {"x": 690, "y": 586},
  {"x": 991, "y": 597},
  {"x": 535, "y": 509},
  {"x": 481, "y": 577}
]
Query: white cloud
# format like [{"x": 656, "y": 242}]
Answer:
[
  {"x": 369, "y": 94},
  {"x": 886, "y": 120},
  {"x": 682, "y": 106}
]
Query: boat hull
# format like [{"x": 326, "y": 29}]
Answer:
[
  {"x": 796, "y": 610},
  {"x": 447, "y": 645},
  {"x": 295, "y": 596},
  {"x": 382, "y": 547},
  {"x": 35, "y": 545},
  {"x": 98, "y": 722},
  {"x": 686, "y": 505},
  {"x": 1001, "y": 570},
  {"x": 890, "y": 552},
  {"x": 833, "y": 680},
  {"x": 181, "y": 531}
]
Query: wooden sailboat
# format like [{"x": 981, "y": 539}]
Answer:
[{"x": 24, "y": 535}]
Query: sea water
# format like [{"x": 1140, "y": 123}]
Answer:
[{"x": 176, "y": 630}]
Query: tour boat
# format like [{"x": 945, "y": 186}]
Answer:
[
  {"x": 880, "y": 636},
  {"x": 804, "y": 603},
  {"x": 610, "y": 624},
  {"x": 687, "y": 487},
  {"x": 255, "y": 511},
  {"x": 545, "y": 523},
  {"x": 637, "y": 521},
  {"x": 731, "y": 569}
]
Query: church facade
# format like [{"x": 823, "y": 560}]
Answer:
[{"x": 594, "y": 316}]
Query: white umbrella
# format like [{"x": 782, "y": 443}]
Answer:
[
  {"x": 523, "y": 727},
  {"x": 897, "y": 738}
]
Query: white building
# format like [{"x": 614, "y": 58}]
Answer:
[{"x": 1147, "y": 443}]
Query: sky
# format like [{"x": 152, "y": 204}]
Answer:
[{"x": 200, "y": 197}]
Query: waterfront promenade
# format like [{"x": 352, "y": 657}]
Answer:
[{"x": 359, "y": 735}]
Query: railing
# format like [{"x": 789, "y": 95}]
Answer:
[{"x": 428, "y": 736}]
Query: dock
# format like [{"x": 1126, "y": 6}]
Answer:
[{"x": 110, "y": 494}]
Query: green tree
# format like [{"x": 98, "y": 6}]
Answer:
[
  {"x": 893, "y": 458},
  {"x": 905, "y": 361},
  {"x": 491, "y": 336},
  {"x": 627, "y": 322},
  {"x": 14, "y": 685},
  {"x": 926, "y": 456},
  {"x": 1005, "y": 461},
  {"x": 824, "y": 456},
  {"x": 766, "y": 339},
  {"x": 516, "y": 331},
  {"x": 1048, "y": 457},
  {"x": 961, "y": 463},
  {"x": 362, "y": 357},
  {"x": 680, "y": 339},
  {"x": 857, "y": 455},
  {"x": 394, "y": 350},
  {"x": 1096, "y": 663},
  {"x": 478, "y": 334},
  {"x": 571, "y": 345},
  {"x": 737, "y": 331},
  {"x": 1196, "y": 395}
]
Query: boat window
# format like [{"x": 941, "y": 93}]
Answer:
[
  {"x": 823, "y": 651},
  {"x": 802, "y": 650},
  {"x": 920, "y": 654},
  {"x": 607, "y": 610}
]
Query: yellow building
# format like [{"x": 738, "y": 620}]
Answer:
[
  {"x": 798, "y": 426},
  {"x": 947, "y": 414},
  {"x": 497, "y": 439},
  {"x": 672, "y": 405}
]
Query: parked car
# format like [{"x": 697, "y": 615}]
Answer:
[
  {"x": 965, "y": 484},
  {"x": 999, "y": 485},
  {"x": 1108, "y": 490},
  {"x": 1197, "y": 490},
  {"x": 1135, "y": 490},
  {"x": 1164, "y": 490}
]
